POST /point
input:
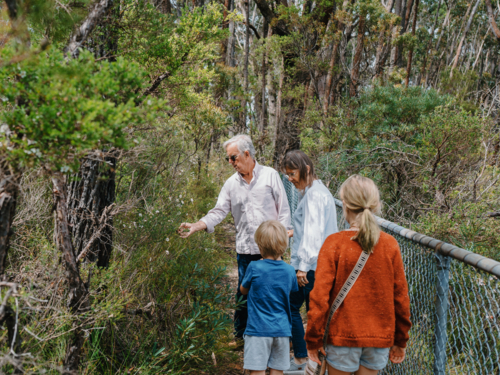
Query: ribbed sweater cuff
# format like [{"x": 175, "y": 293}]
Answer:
[
  {"x": 400, "y": 343},
  {"x": 314, "y": 345}
]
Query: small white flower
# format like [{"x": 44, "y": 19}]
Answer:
[
  {"x": 149, "y": 102},
  {"x": 4, "y": 128},
  {"x": 135, "y": 225},
  {"x": 63, "y": 169},
  {"x": 167, "y": 252},
  {"x": 180, "y": 195},
  {"x": 23, "y": 74},
  {"x": 192, "y": 200},
  {"x": 150, "y": 259},
  {"x": 170, "y": 198},
  {"x": 167, "y": 239},
  {"x": 140, "y": 215},
  {"x": 136, "y": 141},
  {"x": 4, "y": 98},
  {"x": 157, "y": 211},
  {"x": 124, "y": 225},
  {"x": 182, "y": 202}
]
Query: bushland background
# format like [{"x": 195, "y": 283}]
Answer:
[{"x": 111, "y": 123}]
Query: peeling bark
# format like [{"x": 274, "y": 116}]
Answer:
[
  {"x": 491, "y": 18},
  {"x": 410, "y": 53},
  {"x": 353, "y": 88},
  {"x": 461, "y": 44},
  {"x": 78, "y": 297},
  {"x": 91, "y": 192},
  {"x": 8, "y": 202},
  {"x": 82, "y": 32}
]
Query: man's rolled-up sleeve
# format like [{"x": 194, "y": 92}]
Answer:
[
  {"x": 282, "y": 206},
  {"x": 220, "y": 211}
]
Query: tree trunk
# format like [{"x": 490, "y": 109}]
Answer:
[
  {"x": 8, "y": 201},
  {"x": 491, "y": 17},
  {"x": 225, "y": 25},
  {"x": 91, "y": 191},
  {"x": 461, "y": 44},
  {"x": 245, "y": 67},
  {"x": 394, "y": 50},
  {"x": 353, "y": 90},
  {"x": 410, "y": 53},
  {"x": 383, "y": 45},
  {"x": 231, "y": 40},
  {"x": 331, "y": 73},
  {"x": 402, "y": 29},
  {"x": 78, "y": 300},
  {"x": 263, "y": 123},
  {"x": 429, "y": 45},
  {"x": 82, "y": 32}
]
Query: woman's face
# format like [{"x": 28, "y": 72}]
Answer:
[{"x": 293, "y": 177}]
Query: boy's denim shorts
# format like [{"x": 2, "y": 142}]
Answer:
[
  {"x": 264, "y": 352},
  {"x": 348, "y": 359}
]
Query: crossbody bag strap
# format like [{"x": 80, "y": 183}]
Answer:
[{"x": 345, "y": 289}]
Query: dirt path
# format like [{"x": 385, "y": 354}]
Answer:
[{"x": 227, "y": 240}]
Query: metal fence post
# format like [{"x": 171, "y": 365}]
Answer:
[{"x": 441, "y": 337}]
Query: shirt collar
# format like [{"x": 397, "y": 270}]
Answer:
[{"x": 256, "y": 170}]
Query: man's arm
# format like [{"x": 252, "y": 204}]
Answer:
[{"x": 214, "y": 216}]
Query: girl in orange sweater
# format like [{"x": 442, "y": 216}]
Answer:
[{"x": 372, "y": 324}]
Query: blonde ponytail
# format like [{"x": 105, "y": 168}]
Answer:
[{"x": 361, "y": 196}]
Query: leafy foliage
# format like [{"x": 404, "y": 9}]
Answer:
[{"x": 59, "y": 109}]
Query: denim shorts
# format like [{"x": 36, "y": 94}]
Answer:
[
  {"x": 348, "y": 359},
  {"x": 263, "y": 352}
]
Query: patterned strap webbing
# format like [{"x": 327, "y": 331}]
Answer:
[{"x": 345, "y": 289}]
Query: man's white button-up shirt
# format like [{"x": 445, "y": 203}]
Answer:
[{"x": 264, "y": 198}]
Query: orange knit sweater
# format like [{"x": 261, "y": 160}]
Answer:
[{"x": 376, "y": 312}]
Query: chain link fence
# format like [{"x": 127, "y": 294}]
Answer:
[{"x": 455, "y": 303}]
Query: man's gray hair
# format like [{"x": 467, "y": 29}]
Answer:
[{"x": 244, "y": 143}]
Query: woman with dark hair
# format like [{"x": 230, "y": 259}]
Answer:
[{"x": 313, "y": 221}]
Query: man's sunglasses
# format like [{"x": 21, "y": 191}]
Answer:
[{"x": 232, "y": 157}]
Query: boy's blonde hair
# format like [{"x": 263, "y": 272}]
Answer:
[
  {"x": 361, "y": 196},
  {"x": 272, "y": 239}
]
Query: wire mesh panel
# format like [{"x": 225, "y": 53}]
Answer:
[
  {"x": 420, "y": 269},
  {"x": 291, "y": 193},
  {"x": 455, "y": 306},
  {"x": 473, "y": 321}
]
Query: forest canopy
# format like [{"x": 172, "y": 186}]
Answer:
[{"x": 112, "y": 119}]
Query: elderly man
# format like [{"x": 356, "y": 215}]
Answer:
[{"x": 253, "y": 194}]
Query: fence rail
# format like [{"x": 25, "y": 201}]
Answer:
[{"x": 455, "y": 303}]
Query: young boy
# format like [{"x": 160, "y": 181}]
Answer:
[{"x": 268, "y": 283}]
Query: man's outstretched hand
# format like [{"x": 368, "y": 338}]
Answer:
[
  {"x": 397, "y": 354},
  {"x": 187, "y": 229}
]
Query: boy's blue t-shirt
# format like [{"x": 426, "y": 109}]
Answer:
[{"x": 270, "y": 283}]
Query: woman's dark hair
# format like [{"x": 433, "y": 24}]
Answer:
[{"x": 297, "y": 159}]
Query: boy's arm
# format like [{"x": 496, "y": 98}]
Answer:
[
  {"x": 247, "y": 280},
  {"x": 244, "y": 290}
]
